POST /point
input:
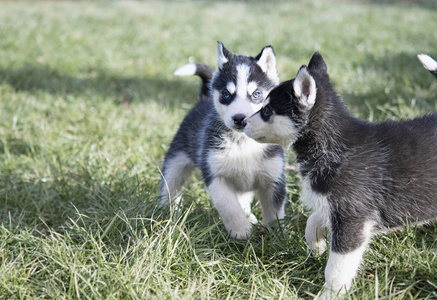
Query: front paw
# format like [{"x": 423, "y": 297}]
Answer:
[
  {"x": 317, "y": 248},
  {"x": 252, "y": 219},
  {"x": 328, "y": 294},
  {"x": 241, "y": 232},
  {"x": 324, "y": 295}
]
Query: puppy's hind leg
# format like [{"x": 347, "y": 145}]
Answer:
[
  {"x": 226, "y": 202},
  {"x": 316, "y": 232},
  {"x": 272, "y": 199},
  {"x": 177, "y": 168},
  {"x": 348, "y": 243}
]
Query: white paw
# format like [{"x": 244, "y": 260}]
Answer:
[
  {"x": 252, "y": 219},
  {"x": 175, "y": 203},
  {"x": 274, "y": 224},
  {"x": 328, "y": 294},
  {"x": 317, "y": 248},
  {"x": 324, "y": 295},
  {"x": 242, "y": 232}
]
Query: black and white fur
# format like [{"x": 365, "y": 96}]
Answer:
[
  {"x": 358, "y": 178},
  {"x": 429, "y": 63},
  {"x": 211, "y": 138}
]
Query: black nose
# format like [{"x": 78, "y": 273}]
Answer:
[
  {"x": 238, "y": 119},
  {"x": 244, "y": 123}
]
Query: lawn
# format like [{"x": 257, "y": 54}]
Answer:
[{"x": 89, "y": 105}]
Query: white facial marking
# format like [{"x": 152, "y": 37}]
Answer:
[
  {"x": 251, "y": 87},
  {"x": 221, "y": 109},
  {"x": 266, "y": 102},
  {"x": 241, "y": 104},
  {"x": 230, "y": 87},
  {"x": 278, "y": 130},
  {"x": 242, "y": 77}
]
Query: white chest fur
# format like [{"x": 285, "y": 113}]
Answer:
[{"x": 243, "y": 163}]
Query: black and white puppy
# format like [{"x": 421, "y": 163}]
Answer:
[
  {"x": 358, "y": 178},
  {"x": 211, "y": 138}
]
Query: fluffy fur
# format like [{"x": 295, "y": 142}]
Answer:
[
  {"x": 211, "y": 138},
  {"x": 358, "y": 178}
]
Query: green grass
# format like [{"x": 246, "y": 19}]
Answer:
[{"x": 89, "y": 105}]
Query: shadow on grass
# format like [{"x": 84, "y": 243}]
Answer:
[
  {"x": 428, "y": 4},
  {"x": 401, "y": 76},
  {"x": 94, "y": 205},
  {"x": 124, "y": 208},
  {"x": 99, "y": 83},
  {"x": 121, "y": 212},
  {"x": 9, "y": 145}
]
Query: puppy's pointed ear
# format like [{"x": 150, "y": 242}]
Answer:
[
  {"x": 304, "y": 87},
  {"x": 223, "y": 55},
  {"x": 317, "y": 64},
  {"x": 267, "y": 62}
]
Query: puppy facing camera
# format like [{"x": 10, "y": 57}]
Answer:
[{"x": 235, "y": 168}]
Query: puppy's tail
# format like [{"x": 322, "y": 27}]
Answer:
[
  {"x": 201, "y": 70},
  {"x": 429, "y": 63}
]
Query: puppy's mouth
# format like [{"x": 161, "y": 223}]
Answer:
[
  {"x": 260, "y": 139},
  {"x": 238, "y": 128},
  {"x": 237, "y": 122}
]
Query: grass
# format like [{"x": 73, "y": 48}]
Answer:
[{"x": 89, "y": 105}]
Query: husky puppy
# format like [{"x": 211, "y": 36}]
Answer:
[
  {"x": 358, "y": 178},
  {"x": 211, "y": 138}
]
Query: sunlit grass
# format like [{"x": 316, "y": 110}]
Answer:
[{"x": 89, "y": 105}]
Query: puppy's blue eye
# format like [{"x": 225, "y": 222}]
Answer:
[
  {"x": 226, "y": 95},
  {"x": 256, "y": 95}
]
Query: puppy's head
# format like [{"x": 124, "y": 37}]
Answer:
[
  {"x": 287, "y": 109},
  {"x": 240, "y": 84}
]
